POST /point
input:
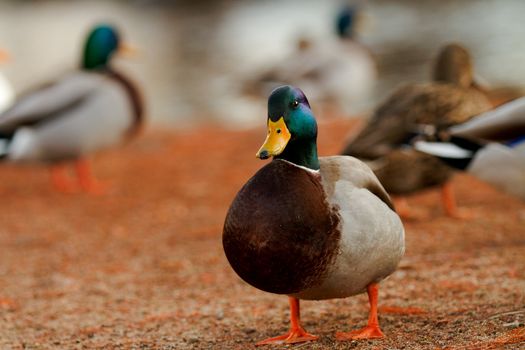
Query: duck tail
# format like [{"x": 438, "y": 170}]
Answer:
[{"x": 457, "y": 152}]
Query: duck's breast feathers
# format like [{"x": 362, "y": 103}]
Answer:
[
  {"x": 336, "y": 169},
  {"x": 280, "y": 234}
]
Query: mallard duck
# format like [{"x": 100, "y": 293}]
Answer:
[
  {"x": 340, "y": 73},
  {"x": 82, "y": 112},
  {"x": 6, "y": 91},
  {"x": 450, "y": 99},
  {"x": 308, "y": 227},
  {"x": 501, "y": 163}
]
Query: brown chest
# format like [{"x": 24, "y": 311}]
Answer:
[{"x": 280, "y": 235}]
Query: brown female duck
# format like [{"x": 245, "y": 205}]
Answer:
[{"x": 449, "y": 100}]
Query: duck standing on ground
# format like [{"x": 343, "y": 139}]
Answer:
[
  {"x": 450, "y": 99},
  {"x": 6, "y": 91},
  {"x": 308, "y": 227},
  {"x": 85, "y": 111}
]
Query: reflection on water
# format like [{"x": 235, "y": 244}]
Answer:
[{"x": 193, "y": 56}]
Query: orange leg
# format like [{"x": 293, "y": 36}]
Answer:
[
  {"x": 372, "y": 330},
  {"x": 60, "y": 179},
  {"x": 86, "y": 179},
  {"x": 296, "y": 334},
  {"x": 449, "y": 203}
]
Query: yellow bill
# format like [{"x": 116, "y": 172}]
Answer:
[
  {"x": 127, "y": 50},
  {"x": 276, "y": 141}
]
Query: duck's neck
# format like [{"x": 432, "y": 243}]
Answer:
[
  {"x": 301, "y": 152},
  {"x": 99, "y": 68}
]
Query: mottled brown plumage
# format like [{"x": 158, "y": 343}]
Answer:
[{"x": 447, "y": 101}]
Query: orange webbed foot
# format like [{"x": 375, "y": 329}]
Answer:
[
  {"x": 461, "y": 214},
  {"x": 298, "y": 335},
  {"x": 61, "y": 182},
  {"x": 368, "y": 332},
  {"x": 371, "y": 331},
  {"x": 87, "y": 181},
  {"x": 66, "y": 187},
  {"x": 95, "y": 187}
]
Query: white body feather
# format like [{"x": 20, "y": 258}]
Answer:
[
  {"x": 6, "y": 94},
  {"x": 372, "y": 236},
  {"x": 501, "y": 166}
]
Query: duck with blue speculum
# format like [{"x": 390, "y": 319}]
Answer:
[
  {"x": 82, "y": 112},
  {"x": 311, "y": 227}
]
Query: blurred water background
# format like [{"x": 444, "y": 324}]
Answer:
[{"x": 194, "y": 54}]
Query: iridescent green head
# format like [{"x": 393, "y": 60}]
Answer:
[
  {"x": 292, "y": 129},
  {"x": 101, "y": 44}
]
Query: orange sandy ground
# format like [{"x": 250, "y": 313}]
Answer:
[{"x": 143, "y": 267}]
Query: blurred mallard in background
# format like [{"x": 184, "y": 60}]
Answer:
[
  {"x": 81, "y": 112},
  {"x": 340, "y": 73},
  {"x": 6, "y": 91},
  {"x": 450, "y": 99},
  {"x": 502, "y": 163}
]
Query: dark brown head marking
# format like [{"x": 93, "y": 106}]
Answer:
[{"x": 280, "y": 235}]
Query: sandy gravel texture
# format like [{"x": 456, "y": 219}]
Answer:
[{"x": 143, "y": 268}]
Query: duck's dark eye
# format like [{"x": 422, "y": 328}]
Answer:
[
  {"x": 278, "y": 131},
  {"x": 295, "y": 104}
]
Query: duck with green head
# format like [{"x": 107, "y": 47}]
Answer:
[
  {"x": 311, "y": 227},
  {"x": 80, "y": 113}
]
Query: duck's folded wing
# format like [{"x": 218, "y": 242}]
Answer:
[
  {"x": 49, "y": 101},
  {"x": 504, "y": 123},
  {"x": 346, "y": 168}
]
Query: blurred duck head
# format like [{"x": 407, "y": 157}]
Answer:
[
  {"x": 101, "y": 44},
  {"x": 454, "y": 65},
  {"x": 346, "y": 22}
]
